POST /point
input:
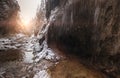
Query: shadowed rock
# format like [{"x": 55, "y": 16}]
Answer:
[{"x": 86, "y": 27}]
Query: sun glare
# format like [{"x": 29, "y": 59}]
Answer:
[{"x": 25, "y": 23}]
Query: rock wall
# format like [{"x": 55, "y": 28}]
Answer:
[
  {"x": 88, "y": 29},
  {"x": 84, "y": 27},
  {"x": 9, "y": 16}
]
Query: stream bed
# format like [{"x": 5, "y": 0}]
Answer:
[{"x": 22, "y": 56}]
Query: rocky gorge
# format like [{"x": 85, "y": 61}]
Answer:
[{"x": 72, "y": 39}]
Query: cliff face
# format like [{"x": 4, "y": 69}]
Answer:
[
  {"x": 9, "y": 16},
  {"x": 84, "y": 27},
  {"x": 88, "y": 29}
]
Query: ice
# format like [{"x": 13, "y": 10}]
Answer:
[
  {"x": 37, "y": 47},
  {"x": 53, "y": 14},
  {"x": 42, "y": 74},
  {"x": 12, "y": 42},
  {"x": 50, "y": 54},
  {"x": 28, "y": 57},
  {"x": 46, "y": 53}
]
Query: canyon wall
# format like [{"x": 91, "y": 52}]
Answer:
[
  {"x": 9, "y": 16},
  {"x": 88, "y": 29},
  {"x": 82, "y": 27}
]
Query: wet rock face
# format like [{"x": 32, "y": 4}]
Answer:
[
  {"x": 85, "y": 27},
  {"x": 8, "y": 15}
]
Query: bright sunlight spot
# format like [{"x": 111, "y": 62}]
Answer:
[
  {"x": 25, "y": 22},
  {"x": 28, "y": 9}
]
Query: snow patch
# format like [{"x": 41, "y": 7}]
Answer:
[
  {"x": 46, "y": 53},
  {"x": 42, "y": 74}
]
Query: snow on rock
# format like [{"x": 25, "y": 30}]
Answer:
[
  {"x": 46, "y": 53},
  {"x": 42, "y": 74},
  {"x": 28, "y": 57},
  {"x": 13, "y": 42},
  {"x": 34, "y": 53}
]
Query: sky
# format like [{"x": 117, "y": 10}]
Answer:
[{"x": 28, "y": 9}]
